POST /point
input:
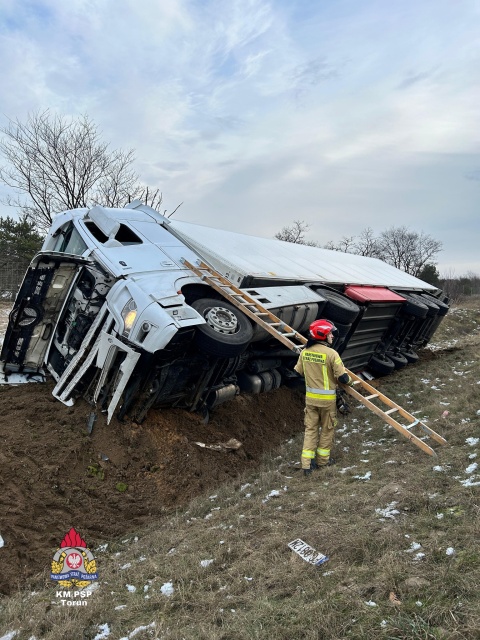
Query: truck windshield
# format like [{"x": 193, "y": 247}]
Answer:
[{"x": 70, "y": 241}]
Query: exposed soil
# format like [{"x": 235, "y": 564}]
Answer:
[{"x": 55, "y": 476}]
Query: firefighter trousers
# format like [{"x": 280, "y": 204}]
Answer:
[{"x": 320, "y": 423}]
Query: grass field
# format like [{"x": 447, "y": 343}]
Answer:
[{"x": 400, "y": 529}]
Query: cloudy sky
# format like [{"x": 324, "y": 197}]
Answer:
[{"x": 345, "y": 114}]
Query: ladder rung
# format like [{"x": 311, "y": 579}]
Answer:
[
  {"x": 356, "y": 382},
  {"x": 374, "y": 395},
  {"x": 287, "y": 335},
  {"x": 274, "y": 324},
  {"x": 260, "y": 313},
  {"x": 391, "y": 410}
]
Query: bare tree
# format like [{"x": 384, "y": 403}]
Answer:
[
  {"x": 367, "y": 244},
  {"x": 407, "y": 250},
  {"x": 296, "y": 234},
  {"x": 345, "y": 245},
  {"x": 56, "y": 163}
]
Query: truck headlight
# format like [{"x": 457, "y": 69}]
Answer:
[{"x": 129, "y": 313}]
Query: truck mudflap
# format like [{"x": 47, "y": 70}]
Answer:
[{"x": 100, "y": 352}]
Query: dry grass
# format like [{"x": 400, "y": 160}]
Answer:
[{"x": 257, "y": 588}]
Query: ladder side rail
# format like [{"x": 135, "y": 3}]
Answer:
[
  {"x": 251, "y": 314},
  {"x": 393, "y": 423},
  {"x": 403, "y": 412}
]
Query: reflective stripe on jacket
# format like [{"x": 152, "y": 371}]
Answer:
[{"x": 321, "y": 366}]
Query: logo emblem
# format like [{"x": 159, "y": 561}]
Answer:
[{"x": 73, "y": 564}]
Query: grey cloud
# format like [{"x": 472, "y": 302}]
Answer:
[
  {"x": 313, "y": 73},
  {"x": 473, "y": 175},
  {"x": 414, "y": 78}
]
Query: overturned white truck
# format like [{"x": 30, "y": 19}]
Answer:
[{"x": 111, "y": 311}]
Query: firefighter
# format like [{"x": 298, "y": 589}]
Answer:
[{"x": 321, "y": 366}]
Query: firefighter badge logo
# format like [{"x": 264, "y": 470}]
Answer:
[{"x": 73, "y": 564}]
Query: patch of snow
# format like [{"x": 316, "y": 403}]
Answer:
[
  {"x": 472, "y": 441},
  {"x": 450, "y": 551},
  {"x": 244, "y": 486},
  {"x": 104, "y": 632},
  {"x": 2, "y": 544},
  {"x": 472, "y": 456},
  {"x": 471, "y": 467},
  {"x": 418, "y": 556},
  {"x": 383, "y": 623},
  {"x": 138, "y": 630},
  {"x": 414, "y": 547},
  {"x": 125, "y": 566},
  {"x": 469, "y": 483},
  {"x": 367, "y": 476},
  {"x": 389, "y": 511},
  {"x": 371, "y": 603},
  {"x": 438, "y": 468},
  {"x": 439, "y": 516},
  {"x": 120, "y": 607},
  {"x": 131, "y": 588},
  {"x": 345, "y": 469},
  {"x": 9, "y": 635},
  {"x": 419, "y": 603},
  {"x": 167, "y": 589},
  {"x": 206, "y": 563},
  {"x": 273, "y": 494},
  {"x": 249, "y": 579}
]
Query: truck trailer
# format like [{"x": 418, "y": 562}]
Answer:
[{"x": 111, "y": 310}]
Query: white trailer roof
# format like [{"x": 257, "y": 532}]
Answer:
[{"x": 237, "y": 255}]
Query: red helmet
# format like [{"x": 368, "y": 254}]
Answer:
[{"x": 319, "y": 329}]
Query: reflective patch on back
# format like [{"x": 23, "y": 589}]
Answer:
[{"x": 312, "y": 356}]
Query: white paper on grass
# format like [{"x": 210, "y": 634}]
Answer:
[{"x": 307, "y": 553}]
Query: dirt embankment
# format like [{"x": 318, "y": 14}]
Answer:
[{"x": 54, "y": 475}]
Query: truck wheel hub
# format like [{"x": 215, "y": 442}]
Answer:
[{"x": 221, "y": 320}]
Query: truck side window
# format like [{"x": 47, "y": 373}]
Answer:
[
  {"x": 124, "y": 235},
  {"x": 69, "y": 241}
]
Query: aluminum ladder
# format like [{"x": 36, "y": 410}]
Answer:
[{"x": 296, "y": 342}]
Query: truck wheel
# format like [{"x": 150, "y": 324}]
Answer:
[
  {"x": 398, "y": 359},
  {"x": 338, "y": 307},
  {"x": 413, "y": 307},
  {"x": 410, "y": 355},
  {"x": 442, "y": 307},
  {"x": 432, "y": 307},
  {"x": 381, "y": 364},
  {"x": 226, "y": 332}
]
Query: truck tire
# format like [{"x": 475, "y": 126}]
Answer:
[
  {"x": 442, "y": 307},
  {"x": 338, "y": 308},
  {"x": 410, "y": 355},
  {"x": 381, "y": 364},
  {"x": 226, "y": 332},
  {"x": 432, "y": 307},
  {"x": 412, "y": 307},
  {"x": 339, "y": 338},
  {"x": 398, "y": 359}
]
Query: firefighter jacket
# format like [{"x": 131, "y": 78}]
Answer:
[{"x": 321, "y": 366}]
